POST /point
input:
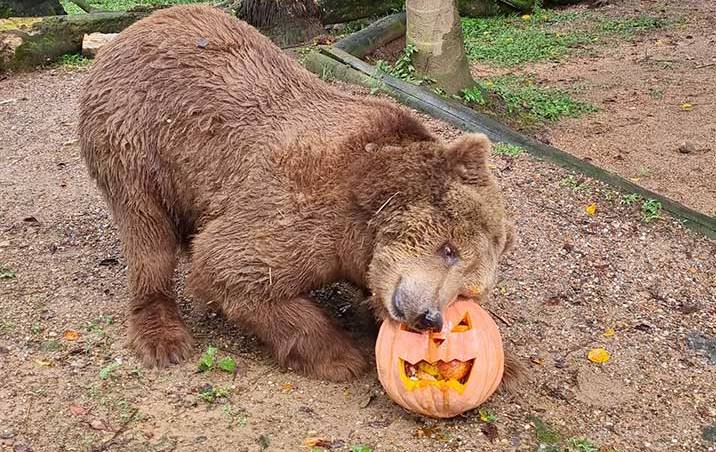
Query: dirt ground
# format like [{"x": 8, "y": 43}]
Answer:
[
  {"x": 655, "y": 92},
  {"x": 571, "y": 278}
]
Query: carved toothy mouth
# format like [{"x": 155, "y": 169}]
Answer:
[{"x": 453, "y": 374}]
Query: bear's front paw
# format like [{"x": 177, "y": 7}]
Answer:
[
  {"x": 328, "y": 356},
  {"x": 158, "y": 335}
]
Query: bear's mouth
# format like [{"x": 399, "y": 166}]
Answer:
[{"x": 452, "y": 374}]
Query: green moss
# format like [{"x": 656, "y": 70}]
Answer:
[{"x": 18, "y": 23}]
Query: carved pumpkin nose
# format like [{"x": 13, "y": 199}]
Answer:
[{"x": 438, "y": 340}]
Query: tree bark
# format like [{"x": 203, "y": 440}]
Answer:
[
  {"x": 28, "y": 42},
  {"x": 433, "y": 27}
]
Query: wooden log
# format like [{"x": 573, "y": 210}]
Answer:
[
  {"x": 374, "y": 36},
  {"x": 28, "y": 42}
]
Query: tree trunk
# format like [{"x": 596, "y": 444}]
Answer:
[
  {"x": 26, "y": 8},
  {"x": 286, "y": 22},
  {"x": 28, "y": 42},
  {"x": 433, "y": 27}
]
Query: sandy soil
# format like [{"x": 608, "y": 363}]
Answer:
[{"x": 570, "y": 279}]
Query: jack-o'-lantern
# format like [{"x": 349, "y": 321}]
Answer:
[{"x": 442, "y": 374}]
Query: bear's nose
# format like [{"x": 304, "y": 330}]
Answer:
[{"x": 431, "y": 319}]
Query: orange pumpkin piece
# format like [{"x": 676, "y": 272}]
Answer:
[
  {"x": 454, "y": 369},
  {"x": 446, "y": 373}
]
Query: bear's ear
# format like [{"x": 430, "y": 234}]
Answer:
[{"x": 467, "y": 157}]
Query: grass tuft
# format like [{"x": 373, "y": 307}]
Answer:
[
  {"x": 73, "y": 61},
  {"x": 522, "y": 98}
]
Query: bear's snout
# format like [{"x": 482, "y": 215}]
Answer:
[{"x": 413, "y": 305}]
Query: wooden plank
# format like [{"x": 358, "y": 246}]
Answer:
[{"x": 467, "y": 119}]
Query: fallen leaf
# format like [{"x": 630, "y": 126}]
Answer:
[
  {"x": 687, "y": 106},
  {"x": 286, "y": 388},
  {"x": 316, "y": 441},
  {"x": 97, "y": 424},
  {"x": 537, "y": 360},
  {"x": 490, "y": 431},
  {"x": 598, "y": 355},
  {"x": 78, "y": 410},
  {"x": 591, "y": 209},
  {"x": 430, "y": 431},
  {"x": 526, "y": 17},
  {"x": 609, "y": 332},
  {"x": 71, "y": 335},
  {"x": 43, "y": 363},
  {"x": 486, "y": 415}
]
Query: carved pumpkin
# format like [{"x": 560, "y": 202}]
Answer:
[{"x": 442, "y": 374}]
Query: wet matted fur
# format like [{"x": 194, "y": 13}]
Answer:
[{"x": 202, "y": 135}]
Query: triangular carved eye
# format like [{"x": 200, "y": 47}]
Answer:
[{"x": 463, "y": 326}]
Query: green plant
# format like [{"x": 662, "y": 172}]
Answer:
[
  {"x": 511, "y": 40},
  {"x": 402, "y": 68},
  {"x": 630, "y": 25},
  {"x": 208, "y": 361},
  {"x": 210, "y": 393},
  {"x": 521, "y": 97},
  {"x": 574, "y": 183},
  {"x": 650, "y": 210},
  {"x": 630, "y": 199},
  {"x": 360, "y": 448},
  {"x": 6, "y": 272},
  {"x": 121, "y": 5},
  {"x": 107, "y": 370},
  {"x": 507, "y": 149},
  {"x": 73, "y": 61},
  {"x": 581, "y": 445},
  {"x": 486, "y": 415},
  {"x": 237, "y": 417}
]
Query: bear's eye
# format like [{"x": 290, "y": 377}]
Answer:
[{"x": 449, "y": 253}]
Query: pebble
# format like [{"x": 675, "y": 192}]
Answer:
[{"x": 687, "y": 148}]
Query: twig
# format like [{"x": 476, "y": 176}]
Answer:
[
  {"x": 705, "y": 65},
  {"x": 386, "y": 203},
  {"x": 499, "y": 317},
  {"x": 123, "y": 428}
]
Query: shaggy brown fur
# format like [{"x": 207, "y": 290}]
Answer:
[{"x": 200, "y": 132}]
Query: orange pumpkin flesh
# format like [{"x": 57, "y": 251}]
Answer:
[{"x": 446, "y": 373}]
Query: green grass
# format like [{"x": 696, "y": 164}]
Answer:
[
  {"x": 402, "y": 68},
  {"x": 513, "y": 40},
  {"x": 509, "y": 150},
  {"x": 520, "y": 97},
  {"x": 73, "y": 61},
  {"x": 122, "y": 5},
  {"x": 650, "y": 210}
]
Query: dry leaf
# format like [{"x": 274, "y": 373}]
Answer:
[
  {"x": 286, "y": 388},
  {"x": 609, "y": 332},
  {"x": 591, "y": 209},
  {"x": 526, "y": 17},
  {"x": 687, "y": 106},
  {"x": 78, "y": 410},
  {"x": 43, "y": 363},
  {"x": 316, "y": 441},
  {"x": 598, "y": 355},
  {"x": 71, "y": 335}
]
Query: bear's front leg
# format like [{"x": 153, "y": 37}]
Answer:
[
  {"x": 258, "y": 277},
  {"x": 303, "y": 338}
]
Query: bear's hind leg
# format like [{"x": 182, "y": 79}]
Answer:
[{"x": 157, "y": 332}]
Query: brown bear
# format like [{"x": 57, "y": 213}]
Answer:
[{"x": 204, "y": 136}]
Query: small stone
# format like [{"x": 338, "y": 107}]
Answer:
[
  {"x": 97, "y": 424},
  {"x": 687, "y": 148},
  {"x": 91, "y": 43}
]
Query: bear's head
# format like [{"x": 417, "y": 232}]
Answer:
[{"x": 439, "y": 224}]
